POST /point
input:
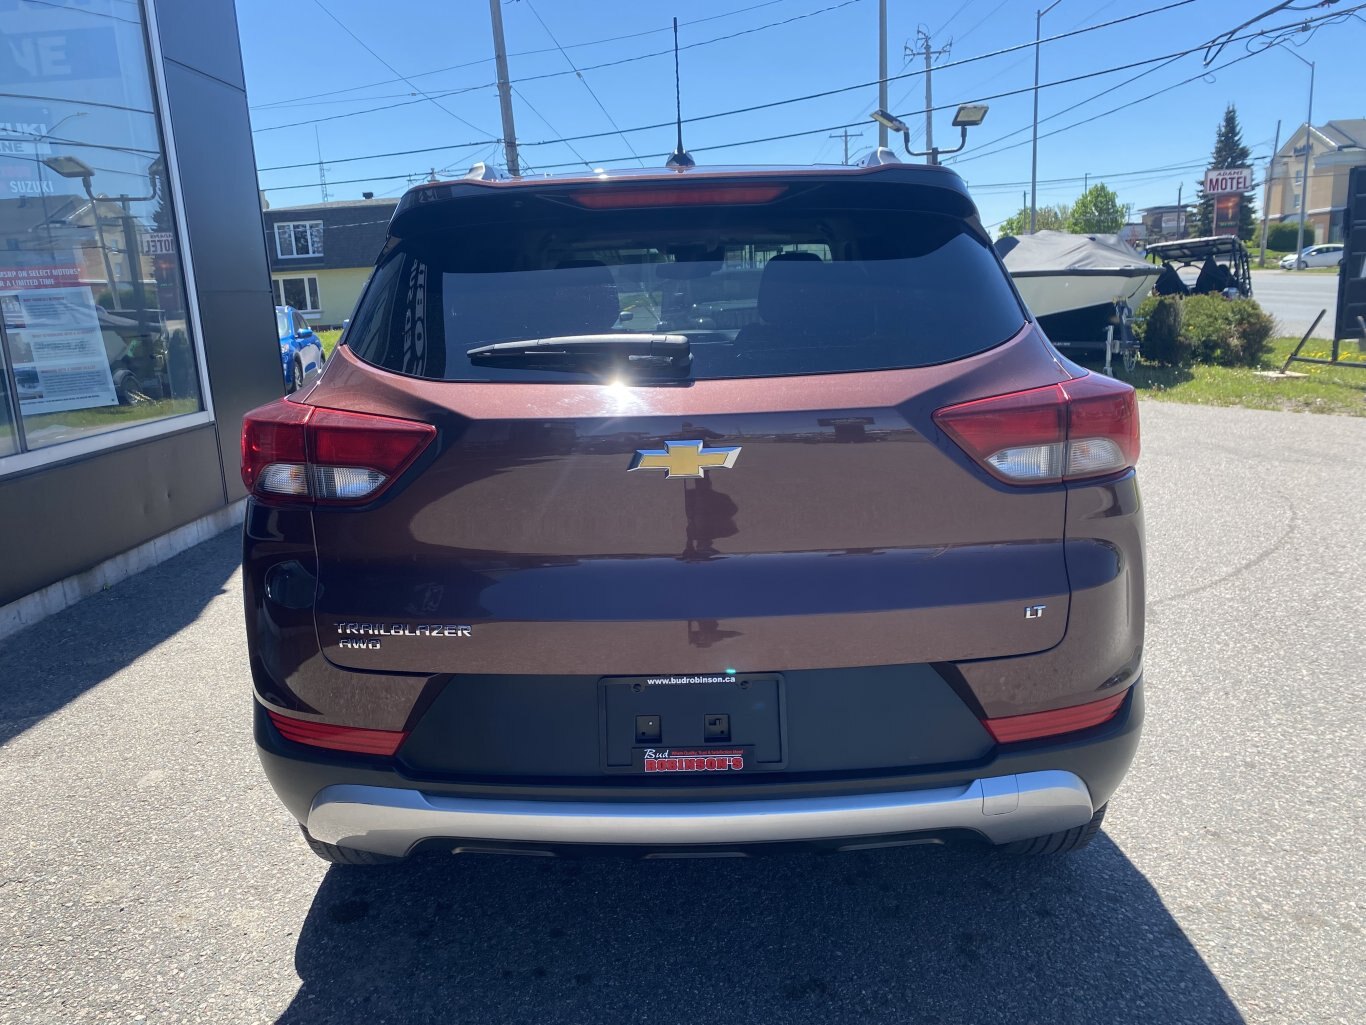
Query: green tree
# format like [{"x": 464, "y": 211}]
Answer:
[
  {"x": 1096, "y": 211},
  {"x": 1229, "y": 151},
  {"x": 1046, "y": 218}
]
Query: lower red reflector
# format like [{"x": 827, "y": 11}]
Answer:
[
  {"x": 1012, "y": 728},
  {"x": 337, "y": 738}
]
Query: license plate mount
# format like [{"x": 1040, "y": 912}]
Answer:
[{"x": 692, "y": 724}]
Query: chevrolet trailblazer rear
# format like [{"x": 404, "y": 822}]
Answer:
[{"x": 694, "y": 513}]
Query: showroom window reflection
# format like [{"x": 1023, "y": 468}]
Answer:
[{"x": 96, "y": 335}]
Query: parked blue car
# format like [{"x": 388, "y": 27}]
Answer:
[{"x": 301, "y": 353}]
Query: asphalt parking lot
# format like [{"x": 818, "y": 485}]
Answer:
[{"x": 148, "y": 873}]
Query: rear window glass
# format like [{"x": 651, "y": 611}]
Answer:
[{"x": 757, "y": 292}]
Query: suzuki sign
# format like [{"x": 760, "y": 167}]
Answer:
[{"x": 1223, "y": 180}]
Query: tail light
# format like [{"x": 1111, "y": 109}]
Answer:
[
  {"x": 337, "y": 738},
  {"x": 1087, "y": 427},
  {"x": 1012, "y": 728},
  {"x": 303, "y": 454}
]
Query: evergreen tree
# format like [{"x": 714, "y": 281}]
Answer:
[{"x": 1229, "y": 151}]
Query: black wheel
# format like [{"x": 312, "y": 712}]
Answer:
[
  {"x": 335, "y": 855},
  {"x": 296, "y": 375},
  {"x": 128, "y": 388},
  {"x": 1057, "y": 843}
]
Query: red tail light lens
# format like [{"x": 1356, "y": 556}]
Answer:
[
  {"x": 337, "y": 738},
  {"x": 1084, "y": 428},
  {"x": 1012, "y": 728},
  {"x": 302, "y": 454},
  {"x": 617, "y": 197}
]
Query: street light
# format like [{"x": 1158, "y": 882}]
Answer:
[
  {"x": 968, "y": 115},
  {"x": 1034, "y": 145},
  {"x": 71, "y": 167}
]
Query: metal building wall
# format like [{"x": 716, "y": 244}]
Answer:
[{"x": 61, "y": 519}]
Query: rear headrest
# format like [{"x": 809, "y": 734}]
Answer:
[{"x": 788, "y": 289}]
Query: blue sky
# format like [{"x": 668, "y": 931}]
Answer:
[{"x": 293, "y": 49}]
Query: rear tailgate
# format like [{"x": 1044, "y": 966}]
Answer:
[{"x": 847, "y": 532}]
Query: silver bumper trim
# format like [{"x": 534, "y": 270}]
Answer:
[{"x": 390, "y": 820}]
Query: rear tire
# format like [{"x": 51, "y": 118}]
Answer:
[
  {"x": 334, "y": 855},
  {"x": 1057, "y": 843}
]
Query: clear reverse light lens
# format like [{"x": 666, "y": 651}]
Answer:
[
  {"x": 1029, "y": 462},
  {"x": 1088, "y": 457},
  {"x": 346, "y": 483},
  {"x": 284, "y": 479}
]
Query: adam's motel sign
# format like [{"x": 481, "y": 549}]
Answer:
[{"x": 1228, "y": 179}]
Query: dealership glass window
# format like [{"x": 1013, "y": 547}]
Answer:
[
  {"x": 301, "y": 293},
  {"x": 94, "y": 320},
  {"x": 299, "y": 238}
]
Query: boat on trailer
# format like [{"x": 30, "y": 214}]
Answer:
[{"x": 1077, "y": 286}]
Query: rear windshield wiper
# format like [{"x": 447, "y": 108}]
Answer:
[{"x": 620, "y": 351}]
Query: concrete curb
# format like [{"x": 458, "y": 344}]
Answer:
[{"x": 64, "y": 593}]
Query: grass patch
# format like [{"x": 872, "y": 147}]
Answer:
[
  {"x": 329, "y": 340},
  {"x": 1322, "y": 390},
  {"x": 113, "y": 416}
]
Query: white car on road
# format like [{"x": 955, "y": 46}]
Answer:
[{"x": 1327, "y": 255}]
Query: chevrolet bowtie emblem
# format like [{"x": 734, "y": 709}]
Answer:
[{"x": 684, "y": 458}]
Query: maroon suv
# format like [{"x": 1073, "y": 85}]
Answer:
[{"x": 694, "y": 513}]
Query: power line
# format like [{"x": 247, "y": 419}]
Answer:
[
  {"x": 366, "y": 47},
  {"x": 854, "y": 124},
  {"x": 863, "y": 85},
  {"x": 590, "y": 67},
  {"x": 610, "y": 120},
  {"x": 1112, "y": 110},
  {"x": 793, "y": 135},
  {"x": 1016, "y": 92},
  {"x": 763, "y": 106},
  {"x": 532, "y": 107},
  {"x": 518, "y": 53},
  {"x": 961, "y": 8}
]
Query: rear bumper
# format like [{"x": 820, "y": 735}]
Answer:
[
  {"x": 1016, "y": 792},
  {"x": 389, "y": 820}
]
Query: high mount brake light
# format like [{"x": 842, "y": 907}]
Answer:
[
  {"x": 303, "y": 454},
  {"x": 337, "y": 738},
  {"x": 1076, "y": 430},
  {"x": 616, "y": 197},
  {"x": 1013, "y": 728}
]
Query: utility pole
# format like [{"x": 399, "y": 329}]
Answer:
[
  {"x": 1308, "y": 148},
  {"x": 322, "y": 171},
  {"x": 1266, "y": 198},
  {"x": 1085, "y": 181},
  {"x": 500, "y": 57},
  {"x": 1034, "y": 147},
  {"x": 881, "y": 68},
  {"x": 846, "y": 135},
  {"x": 923, "y": 46}
]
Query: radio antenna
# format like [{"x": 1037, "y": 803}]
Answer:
[{"x": 681, "y": 159}]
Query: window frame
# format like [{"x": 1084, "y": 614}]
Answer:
[
  {"x": 315, "y": 292},
  {"x": 292, "y": 225},
  {"x": 146, "y": 430}
]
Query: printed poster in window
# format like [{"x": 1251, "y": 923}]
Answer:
[{"x": 57, "y": 348}]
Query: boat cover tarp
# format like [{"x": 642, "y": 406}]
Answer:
[{"x": 1055, "y": 252}]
